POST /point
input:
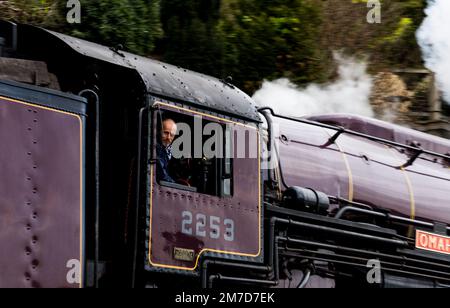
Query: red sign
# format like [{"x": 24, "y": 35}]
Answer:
[{"x": 432, "y": 242}]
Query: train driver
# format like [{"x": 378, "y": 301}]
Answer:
[{"x": 164, "y": 150}]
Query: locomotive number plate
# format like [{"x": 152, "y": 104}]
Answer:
[{"x": 432, "y": 242}]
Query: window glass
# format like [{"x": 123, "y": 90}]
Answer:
[{"x": 194, "y": 154}]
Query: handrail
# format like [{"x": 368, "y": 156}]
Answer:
[{"x": 342, "y": 130}]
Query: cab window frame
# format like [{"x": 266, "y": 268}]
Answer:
[{"x": 224, "y": 166}]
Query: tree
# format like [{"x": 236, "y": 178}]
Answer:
[
  {"x": 191, "y": 39},
  {"x": 133, "y": 23},
  {"x": 271, "y": 39},
  {"x": 41, "y": 13},
  {"x": 389, "y": 43},
  {"x": 401, "y": 45}
]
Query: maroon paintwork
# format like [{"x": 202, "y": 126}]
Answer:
[
  {"x": 168, "y": 204},
  {"x": 420, "y": 191},
  {"x": 40, "y": 196}
]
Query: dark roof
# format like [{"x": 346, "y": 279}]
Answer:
[{"x": 166, "y": 80}]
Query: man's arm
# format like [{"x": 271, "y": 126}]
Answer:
[
  {"x": 161, "y": 173},
  {"x": 161, "y": 167}
]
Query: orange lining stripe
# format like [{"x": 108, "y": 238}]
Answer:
[
  {"x": 81, "y": 169},
  {"x": 206, "y": 249}
]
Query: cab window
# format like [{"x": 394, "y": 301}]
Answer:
[{"x": 194, "y": 154}]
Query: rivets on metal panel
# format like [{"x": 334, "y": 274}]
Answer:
[{"x": 34, "y": 264}]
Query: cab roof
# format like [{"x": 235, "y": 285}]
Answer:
[
  {"x": 160, "y": 79},
  {"x": 172, "y": 81}
]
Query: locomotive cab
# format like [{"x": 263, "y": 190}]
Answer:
[
  {"x": 212, "y": 206},
  {"x": 136, "y": 223}
]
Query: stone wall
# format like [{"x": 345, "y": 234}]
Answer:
[{"x": 410, "y": 98}]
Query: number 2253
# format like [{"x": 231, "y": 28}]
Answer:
[{"x": 205, "y": 226}]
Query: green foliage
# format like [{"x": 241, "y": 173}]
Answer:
[
  {"x": 404, "y": 25},
  {"x": 191, "y": 39},
  {"x": 400, "y": 45},
  {"x": 132, "y": 23},
  {"x": 251, "y": 40},
  {"x": 271, "y": 39},
  {"x": 37, "y": 12}
]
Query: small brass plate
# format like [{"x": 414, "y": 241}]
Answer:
[{"x": 182, "y": 254}]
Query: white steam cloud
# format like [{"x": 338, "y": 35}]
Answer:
[
  {"x": 349, "y": 94},
  {"x": 434, "y": 39}
]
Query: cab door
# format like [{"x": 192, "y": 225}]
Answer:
[{"x": 213, "y": 205}]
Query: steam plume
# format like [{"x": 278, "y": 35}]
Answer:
[
  {"x": 434, "y": 39},
  {"x": 349, "y": 94}
]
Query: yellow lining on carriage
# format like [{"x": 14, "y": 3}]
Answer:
[
  {"x": 206, "y": 249},
  {"x": 410, "y": 190},
  {"x": 351, "y": 189},
  {"x": 205, "y": 115},
  {"x": 81, "y": 168}
]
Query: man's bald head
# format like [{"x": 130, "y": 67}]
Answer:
[{"x": 169, "y": 131}]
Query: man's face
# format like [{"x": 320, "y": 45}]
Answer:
[{"x": 169, "y": 131}]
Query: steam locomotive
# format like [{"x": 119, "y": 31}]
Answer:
[{"x": 325, "y": 201}]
